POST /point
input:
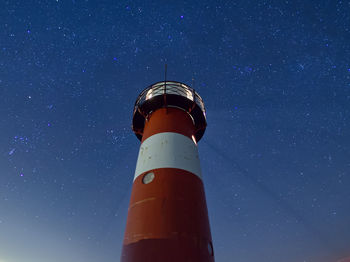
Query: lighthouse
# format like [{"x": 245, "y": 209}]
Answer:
[{"x": 167, "y": 216}]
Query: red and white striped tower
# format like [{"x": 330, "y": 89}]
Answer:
[{"x": 168, "y": 217}]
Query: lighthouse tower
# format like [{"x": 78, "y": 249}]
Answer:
[{"x": 168, "y": 217}]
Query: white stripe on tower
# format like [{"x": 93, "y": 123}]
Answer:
[{"x": 168, "y": 150}]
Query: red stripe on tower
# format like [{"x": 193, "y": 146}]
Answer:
[{"x": 168, "y": 217}]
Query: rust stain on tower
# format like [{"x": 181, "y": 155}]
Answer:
[{"x": 168, "y": 217}]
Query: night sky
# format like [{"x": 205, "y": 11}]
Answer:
[{"x": 275, "y": 79}]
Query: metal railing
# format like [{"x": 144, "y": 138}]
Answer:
[{"x": 170, "y": 88}]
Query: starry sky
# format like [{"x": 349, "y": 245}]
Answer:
[{"x": 275, "y": 79}]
